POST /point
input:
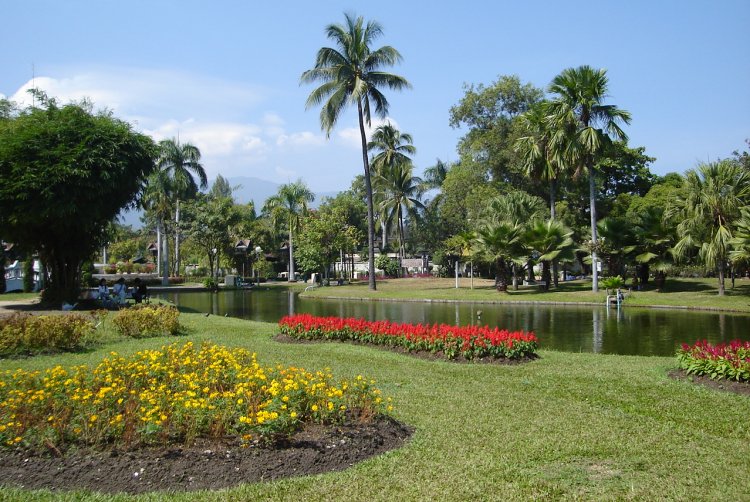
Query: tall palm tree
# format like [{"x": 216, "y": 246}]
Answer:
[
  {"x": 391, "y": 149},
  {"x": 715, "y": 195},
  {"x": 434, "y": 176},
  {"x": 291, "y": 200},
  {"x": 579, "y": 99},
  {"x": 157, "y": 200},
  {"x": 181, "y": 161},
  {"x": 351, "y": 74},
  {"x": 401, "y": 195}
]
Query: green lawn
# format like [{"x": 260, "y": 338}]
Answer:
[
  {"x": 693, "y": 293},
  {"x": 18, "y": 296},
  {"x": 567, "y": 426}
]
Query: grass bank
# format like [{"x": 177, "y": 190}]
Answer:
[
  {"x": 690, "y": 293},
  {"x": 582, "y": 426}
]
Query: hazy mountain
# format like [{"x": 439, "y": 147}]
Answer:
[{"x": 246, "y": 188}]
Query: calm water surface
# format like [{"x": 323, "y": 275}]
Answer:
[{"x": 567, "y": 328}]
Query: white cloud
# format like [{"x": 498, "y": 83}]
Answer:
[
  {"x": 305, "y": 138},
  {"x": 286, "y": 174}
]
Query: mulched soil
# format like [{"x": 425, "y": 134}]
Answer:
[
  {"x": 734, "y": 386},
  {"x": 205, "y": 465},
  {"x": 421, "y": 354}
]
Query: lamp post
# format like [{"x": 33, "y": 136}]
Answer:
[{"x": 257, "y": 250}]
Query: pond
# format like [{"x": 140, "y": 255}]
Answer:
[{"x": 627, "y": 331}]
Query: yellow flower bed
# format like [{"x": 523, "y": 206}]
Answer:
[{"x": 174, "y": 395}]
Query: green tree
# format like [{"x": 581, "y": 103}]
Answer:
[
  {"x": 401, "y": 195},
  {"x": 352, "y": 73},
  {"x": 180, "y": 162},
  {"x": 490, "y": 112},
  {"x": 715, "y": 195},
  {"x": 500, "y": 243},
  {"x": 579, "y": 99},
  {"x": 291, "y": 202},
  {"x": 157, "y": 203},
  {"x": 655, "y": 238},
  {"x": 552, "y": 241},
  {"x": 65, "y": 173},
  {"x": 222, "y": 188},
  {"x": 209, "y": 222},
  {"x": 324, "y": 235}
]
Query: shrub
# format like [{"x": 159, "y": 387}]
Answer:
[
  {"x": 612, "y": 282},
  {"x": 174, "y": 395},
  {"x": 389, "y": 266},
  {"x": 111, "y": 268},
  {"x": 149, "y": 268},
  {"x": 27, "y": 334},
  {"x": 723, "y": 361},
  {"x": 210, "y": 283},
  {"x": 142, "y": 321},
  {"x": 469, "y": 342}
]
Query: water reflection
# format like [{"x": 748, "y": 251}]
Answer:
[{"x": 568, "y": 328}]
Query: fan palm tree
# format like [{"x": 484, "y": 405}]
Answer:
[
  {"x": 579, "y": 99},
  {"x": 180, "y": 162},
  {"x": 352, "y": 74},
  {"x": 552, "y": 240},
  {"x": 291, "y": 201},
  {"x": 715, "y": 195},
  {"x": 655, "y": 240},
  {"x": 401, "y": 195},
  {"x": 500, "y": 243},
  {"x": 740, "y": 254}
]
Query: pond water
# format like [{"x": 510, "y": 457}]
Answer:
[{"x": 627, "y": 331}]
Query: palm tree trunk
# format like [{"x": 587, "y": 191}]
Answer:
[
  {"x": 165, "y": 257},
  {"x": 384, "y": 231},
  {"x": 721, "y": 277},
  {"x": 368, "y": 191},
  {"x": 177, "y": 238},
  {"x": 158, "y": 248},
  {"x": 291, "y": 254},
  {"x": 592, "y": 205},
  {"x": 553, "y": 215}
]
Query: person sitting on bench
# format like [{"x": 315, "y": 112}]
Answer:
[
  {"x": 140, "y": 291},
  {"x": 120, "y": 291}
]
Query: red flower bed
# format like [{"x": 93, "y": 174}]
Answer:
[
  {"x": 730, "y": 361},
  {"x": 469, "y": 342}
]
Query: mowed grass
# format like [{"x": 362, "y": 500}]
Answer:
[
  {"x": 16, "y": 296},
  {"x": 567, "y": 426},
  {"x": 691, "y": 293}
]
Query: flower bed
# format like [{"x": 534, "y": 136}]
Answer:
[
  {"x": 174, "y": 395},
  {"x": 723, "y": 361},
  {"x": 469, "y": 342}
]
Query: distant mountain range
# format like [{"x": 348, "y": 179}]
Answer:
[{"x": 246, "y": 189}]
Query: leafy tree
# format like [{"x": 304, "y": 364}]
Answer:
[
  {"x": 434, "y": 176},
  {"x": 209, "y": 222},
  {"x": 221, "y": 188},
  {"x": 466, "y": 191},
  {"x": 323, "y": 236},
  {"x": 490, "y": 112},
  {"x": 157, "y": 203},
  {"x": 65, "y": 173},
  {"x": 180, "y": 162},
  {"x": 352, "y": 73},
  {"x": 579, "y": 99},
  {"x": 715, "y": 195},
  {"x": 291, "y": 202}
]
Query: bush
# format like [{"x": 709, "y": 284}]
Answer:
[
  {"x": 728, "y": 361},
  {"x": 174, "y": 395},
  {"x": 612, "y": 282},
  {"x": 142, "y": 321},
  {"x": 389, "y": 266},
  {"x": 210, "y": 283},
  {"x": 111, "y": 268},
  {"x": 26, "y": 334}
]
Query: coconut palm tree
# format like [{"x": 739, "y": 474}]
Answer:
[
  {"x": 401, "y": 195},
  {"x": 715, "y": 195},
  {"x": 180, "y": 162},
  {"x": 291, "y": 201},
  {"x": 434, "y": 176},
  {"x": 352, "y": 74},
  {"x": 552, "y": 240},
  {"x": 157, "y": 201},
  {"x": 579, "y": 99}
]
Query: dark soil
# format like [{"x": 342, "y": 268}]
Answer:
[
  {"x": 205, "y": 465},
  {"x": 720, "y": 385},
  {"x": 421, "y": 354}
]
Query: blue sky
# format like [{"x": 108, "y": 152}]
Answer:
[{"x": 225, "y": 75}]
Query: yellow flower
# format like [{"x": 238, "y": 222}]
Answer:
[
  {"x": 293, "y": 414},
  {"x": 93, "y": 418},
  {"x": 315, "y": 407}
]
